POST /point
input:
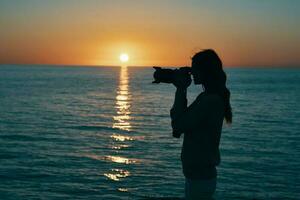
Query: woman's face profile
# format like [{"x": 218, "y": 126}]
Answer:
[{"x": 196, "y": 75}]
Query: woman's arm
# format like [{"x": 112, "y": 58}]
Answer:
[
  {"x": 179, "y": 107},
  {"x": 187, "y": 119},
  {"x": 181, "y": 81}
]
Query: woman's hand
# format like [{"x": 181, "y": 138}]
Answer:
[{"x": 182, "y": 79}]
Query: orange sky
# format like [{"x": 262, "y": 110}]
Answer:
[{"x": 165, "y": 32}]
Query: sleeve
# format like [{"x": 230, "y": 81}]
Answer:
[{"x": 183, "y": 118}]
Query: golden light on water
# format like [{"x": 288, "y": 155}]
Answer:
[
  {"x": 122, "y": 122},
  {"x": 123, "y": 189},
  {"x": 117, "y": 174},
  {"x": 119, "y": 159},
  {"x": 122, "y": 119},
  {"x": 121, "y": 138},
  {"x": 115, "y": 159},
  {"x": 121, "y": 146}
]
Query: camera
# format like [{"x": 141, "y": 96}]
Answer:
[{"x": 167, "y": 75}]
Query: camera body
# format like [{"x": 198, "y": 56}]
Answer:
[{"x": 167, "y": 75}]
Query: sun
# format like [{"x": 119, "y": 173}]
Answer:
[{"x": 124, "y": 57}]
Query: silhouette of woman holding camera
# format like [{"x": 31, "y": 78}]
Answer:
[{"x": 201, "y": 122}]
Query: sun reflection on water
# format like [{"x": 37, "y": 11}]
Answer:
[
  {"x": 119, "y": 159},
  {"x": 117, "y": 174},
  {"x": 115, "y": 159},
  {"x": 123, "y": 189},
  {"x": 121, "y": 120},
  {"x": 121, "y": 138},
  {"x": 119, "y": 147}
]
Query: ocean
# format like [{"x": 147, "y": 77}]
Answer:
[{"x": 104, "y": 133}]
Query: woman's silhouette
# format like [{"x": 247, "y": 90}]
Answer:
[{"x": 201, "y": 123}]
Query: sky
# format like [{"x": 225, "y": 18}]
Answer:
[{"x": 250, "y": 33}]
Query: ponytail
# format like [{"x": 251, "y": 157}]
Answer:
[{"x": 228, "y": 112}]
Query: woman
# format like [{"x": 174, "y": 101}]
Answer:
[{"x": 201, "y": 122}]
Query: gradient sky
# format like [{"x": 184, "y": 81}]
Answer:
[{"x": 152, "y": 32}]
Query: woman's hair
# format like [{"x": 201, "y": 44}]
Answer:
[{"x": 213, "y": 77}]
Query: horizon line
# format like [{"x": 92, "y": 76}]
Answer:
[{"x": 145, "y": 66}]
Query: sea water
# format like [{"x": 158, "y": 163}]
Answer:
[{"x": 104, "y": 133}]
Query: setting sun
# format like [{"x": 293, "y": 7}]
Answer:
[{"x": 124, "y": 57}]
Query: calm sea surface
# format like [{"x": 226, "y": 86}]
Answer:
[{"x": 104, "y": 133}]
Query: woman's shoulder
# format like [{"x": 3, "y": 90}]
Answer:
[
  {"x": 210, "y": 100},
  {"x": 209, "y": 97}
]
